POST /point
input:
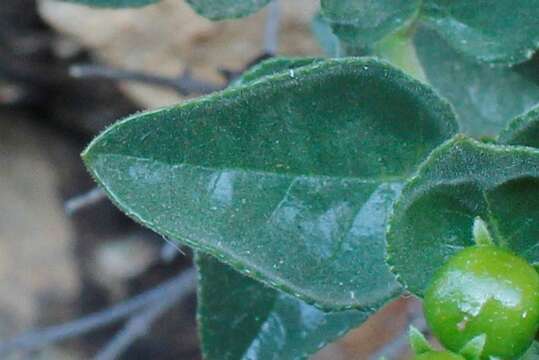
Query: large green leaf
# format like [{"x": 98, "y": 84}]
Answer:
[
  {"x": 114, "y": 3},
  {"x": 461, "y": 180},
  {"x": 367, "y": 21},
  {"x": 486, "y": 98},
  {"x": 523, "y": 130},
  {"x": 226, "y": 9},
  {"x": 288, "y": 179},
  {"x": 239, "y": 318}
]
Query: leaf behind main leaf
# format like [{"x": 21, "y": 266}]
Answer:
[
  {"x": 367, "y": 21},
  {"x": 288, "y": 179},
  {"x": 241, "y": 319},
  {"x": 499, "y": 32},
  {"x": 114, "y": 3},
  {"x": 485, "y": 98},
  {"x": 273, "y": 66},
  {"x": 226, "y": 9}
]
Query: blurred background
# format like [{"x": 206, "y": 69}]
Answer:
[{"x": 66, "y": 72}]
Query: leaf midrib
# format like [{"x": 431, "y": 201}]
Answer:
[{"x": 375, "y": 180}]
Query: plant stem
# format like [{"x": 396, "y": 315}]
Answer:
[
  {"x": 34, "y": 340},
  {"x": 81, "y": 201},
  {"x": 140, "y": 324},
  {"x": 184, "y": 84},
  {"x": 271, "y": 33}
]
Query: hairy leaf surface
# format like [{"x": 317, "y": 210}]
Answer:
[
  {"x": 461, "y": 180},
  {"x": 287, "y": 179}
]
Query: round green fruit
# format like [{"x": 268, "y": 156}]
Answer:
[
  {"x": 438, "y": 355},
  {"x": 484, "y": 290}
]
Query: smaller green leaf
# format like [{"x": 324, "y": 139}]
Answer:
[
  {"x": 461, "y": 180},
  {"x": 485, "y": 98},
  {"x": 241, "y": 319},
  {"x": 523, "y": 130},
  {"x": 226, "y": 9},
  {"x": 367, "y": 21},
  {"x": 418, "y": 343},
  {"x": 474, "y": 348},
  {"x": 273, "y": 66},
  {"x": 494, "y": 32},
  {"x": 114, "y": 3},
  {"x": 481, "y": 234}
]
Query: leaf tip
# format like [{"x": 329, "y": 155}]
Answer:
[
  {"x": 418, "y": 342},
  {"x": 481, "y": 235},
  {"x": 473, "y": 349}
]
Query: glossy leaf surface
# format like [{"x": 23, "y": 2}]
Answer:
[
  {"x": 485, "y": 98},
  {"x": 288, "y": 179},
  {"x": 523, "y": 130},
  {"x": 226, "y": 9},
  {"x": 461, "y": 180},
  {"x": 367, "y": 21},
  {"x": 114, "y": 3},
  {"x": 239, "y": 318}
]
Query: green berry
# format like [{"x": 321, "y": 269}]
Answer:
[
  {"x": 438, "y": 355},
  {"x": 484, "y": 290}
]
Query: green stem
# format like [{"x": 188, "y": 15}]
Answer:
[{"x": 400, "y": 51}]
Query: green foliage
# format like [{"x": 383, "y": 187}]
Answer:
[
  {"x": 523, "y": 130},
  {"x": 368, "y": 21},
  {"x": 503, "y": 32},
  {"x": 532, "y": 353},
  {"x": 265, "y": 167},
  {"x": 499, "y": 33},
  {"x": 226, "y": 9},
  {"x": 484, "y": 97},
  {"x": 211, "y": 9},
  {"x": 273, "y": 66},
  {"x": 239, "y": 318},
  {"x": 286, "y": 181},
  {"x": 114, "y": 3},
  {"x": 461, "y": 180}
]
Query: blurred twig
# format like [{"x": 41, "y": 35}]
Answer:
[
  {"x": 176, "y": 288},
  {"x": 170, "y": 251},
  {"x": 185, "y": 84},
  {"x": 271, "y": 32},
  {"x": 81, "y": 201},
  {"x": 140, "y": 324}
]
